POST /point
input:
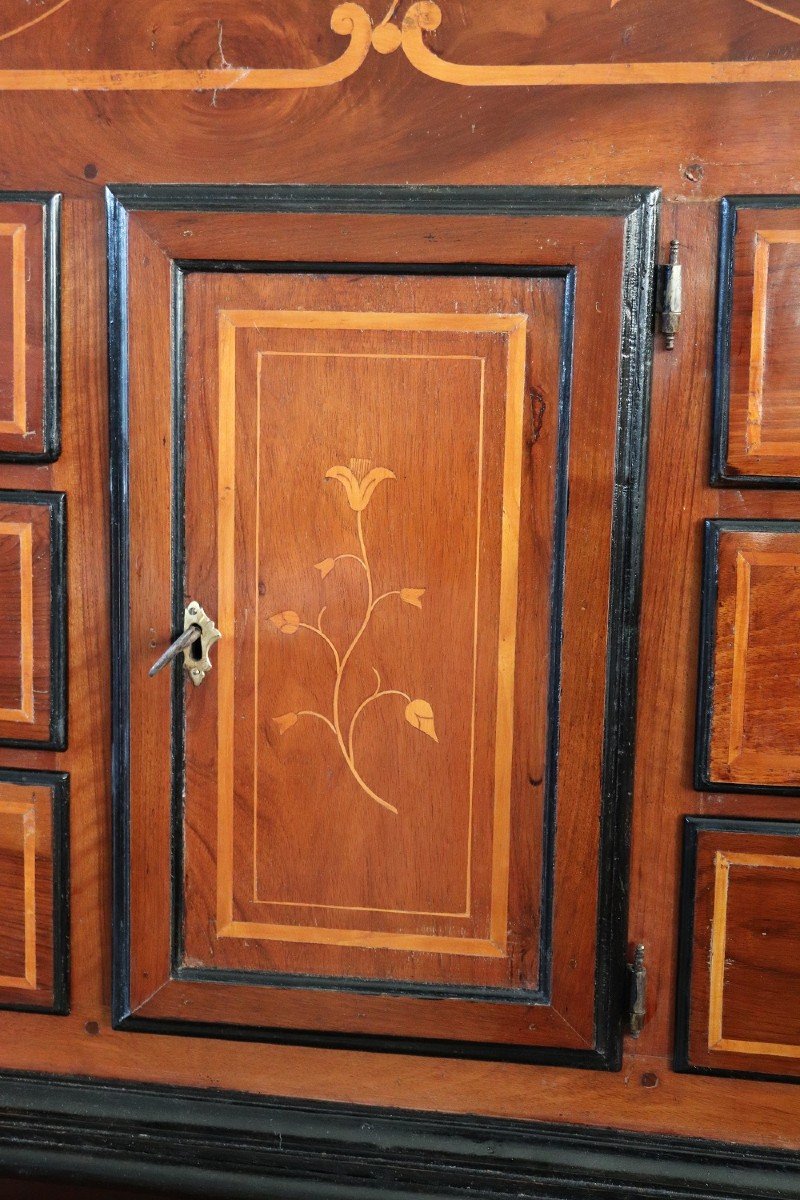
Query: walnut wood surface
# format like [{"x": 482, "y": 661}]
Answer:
[
  {"x": 22, "y": 313},
  {"x": 745, "y": 983},
  {"x": 391, "y": 123},
  {"x": 763, "y": 423},
  {"x": 26, "y": 895}
]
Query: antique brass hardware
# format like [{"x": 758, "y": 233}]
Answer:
[
  {"x": 637, "y": 992},
  {"x": 199, "y": 635},
  {"x": 670, "y": 296}
]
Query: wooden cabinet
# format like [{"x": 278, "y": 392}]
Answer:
[
  {"x": 384, "y": 805},
  {"x": 454, "y": 849}
]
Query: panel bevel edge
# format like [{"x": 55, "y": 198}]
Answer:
[
  {"x": 692, "y": 828},
  {"x": 51, "y": 325},
  {"x": 713, "y": 529},
  {"x": 640, "y": 207},
  {"x": 57, "y": 782},
  {"x": 720, "y": 475},
  {"x": 57, "y": 503}
]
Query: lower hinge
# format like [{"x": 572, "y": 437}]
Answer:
[{"x": 637, "y": 992}]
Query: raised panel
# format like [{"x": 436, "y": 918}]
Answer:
[
  {"x": 757, "y": 438},
  {"x": 749, "y": 675},
  {"x": 28, "y": 327},
  {"x": 740, "y": 987},
  {"x": 382, "y": 826},
  {"x": 33, "y": 629},
  {"x": 33, "y": 891}
]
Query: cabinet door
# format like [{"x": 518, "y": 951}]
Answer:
[{"x": 391, "y": 443}]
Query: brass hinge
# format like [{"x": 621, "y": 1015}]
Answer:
[
  {"x": 670, "y": 296},
  {"x": 637, "y": 992}
]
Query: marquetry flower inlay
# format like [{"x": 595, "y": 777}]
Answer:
[{"x": 359, "y": 481}]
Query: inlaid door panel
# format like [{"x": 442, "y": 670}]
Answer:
[
  {"x": 379, "y": 820},
  {"x": 28, "y": 327},
  {"x": 32, "y": 630},
  {"x": 740, "y": 991},
  {"x": 33, "y": 891},
  {"x": 758, "y": 369},
  {"x": 749, "y": 678}
]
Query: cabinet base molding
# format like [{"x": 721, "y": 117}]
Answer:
[{"x": 194, "y": 1143}]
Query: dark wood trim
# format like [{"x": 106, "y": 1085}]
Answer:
[
  {"x": 692, "y": 827},
  {"x": 640, "y": 209},
  {"x": 57, "y": 503},
  {"x": 197, "y": 1143},
  {"x": 720, "y": 475},
  {"x": 713, "y": 529},
  {"x": 58, "y": 783},
  {"x": 51, "y": 292}
]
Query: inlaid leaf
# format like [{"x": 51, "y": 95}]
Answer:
[
  {"x": 412, "y": 596},
  {"x": 285, "y": 722},
  {"x": 325, "y": 567},
  {"x": 287, "y": 622},
  {"x": 420, "y": 714}
]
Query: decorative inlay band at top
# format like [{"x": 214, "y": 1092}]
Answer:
[{"x": 421, "y": 18}]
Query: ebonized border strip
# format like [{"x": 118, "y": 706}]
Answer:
[
  {"x": 713, "y": 529},
  {"x": 57, "y": 503},
  {"x": 720, "y": 475},
  {"x": 686, "y": 929},
  {"x": 51, "y": 292},
  {"x": 58, "y": 784},
  {"x": 198, "y": 1143},
  {"x": 640, "y": 209}
]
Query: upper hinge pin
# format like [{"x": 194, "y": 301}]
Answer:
[{"x": 670, "y": 295}]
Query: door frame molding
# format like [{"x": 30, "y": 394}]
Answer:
[{"x": 639, "y": 208}]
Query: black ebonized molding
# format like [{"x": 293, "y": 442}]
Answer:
[
  {"x": 58, "y": 783},
  {"x": 692, "y": 827},
  {"x": 51, "y": 291},
  {"x": 713, "y": 529},
  {"x": 57, "y": 733},
  {"x": 639, "y": 207},
  {"x": 721, "y": 476},
  {"x": 197, "y": 1143}
]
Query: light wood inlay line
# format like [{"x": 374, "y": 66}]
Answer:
[
  {"x": 723, "y": 861},
  {"x": 745, "y": 561},
  {"x": 481, "y": 362},
  {"x": 26, "y": 811},
  {"x": 765, "y": 238},
  {"x": 19, "y": 422},
  {"x": 514, "y": 327},
  {"x": 351, "y": 20},
  {"x": 23, "y": 533}
]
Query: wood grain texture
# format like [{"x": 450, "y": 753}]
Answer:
[
  {"x": 32, "y": 892},
  {"x": 759, "y": 398},
  {"x": 32, "y": 631},
  {"x": 742, "y": 1007},
  {"x": 235, "y": 324},
  {"x": 748, "y": 686},
  {"x": 27, "y": 398}
]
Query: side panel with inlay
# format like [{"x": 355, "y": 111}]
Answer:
[
  {"x": 29, "y": 306},
  {"x": 757, "y": 437},
  {"x": 740, "y": 989},
  {"x": 33, "y": 891},
  {"x": 750, "y": 673},
  {"x": 32, "y": 630}
]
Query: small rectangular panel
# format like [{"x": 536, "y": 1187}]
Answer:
[
  {"x": 33, "y": 628},
  {"x": 28, "y": 327},
  {"x": 33, "y": 891},
  {"x": 750, "y": 664},
  {"x": 757, "y": 436},
  {"x": 740, "y": 987}
]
